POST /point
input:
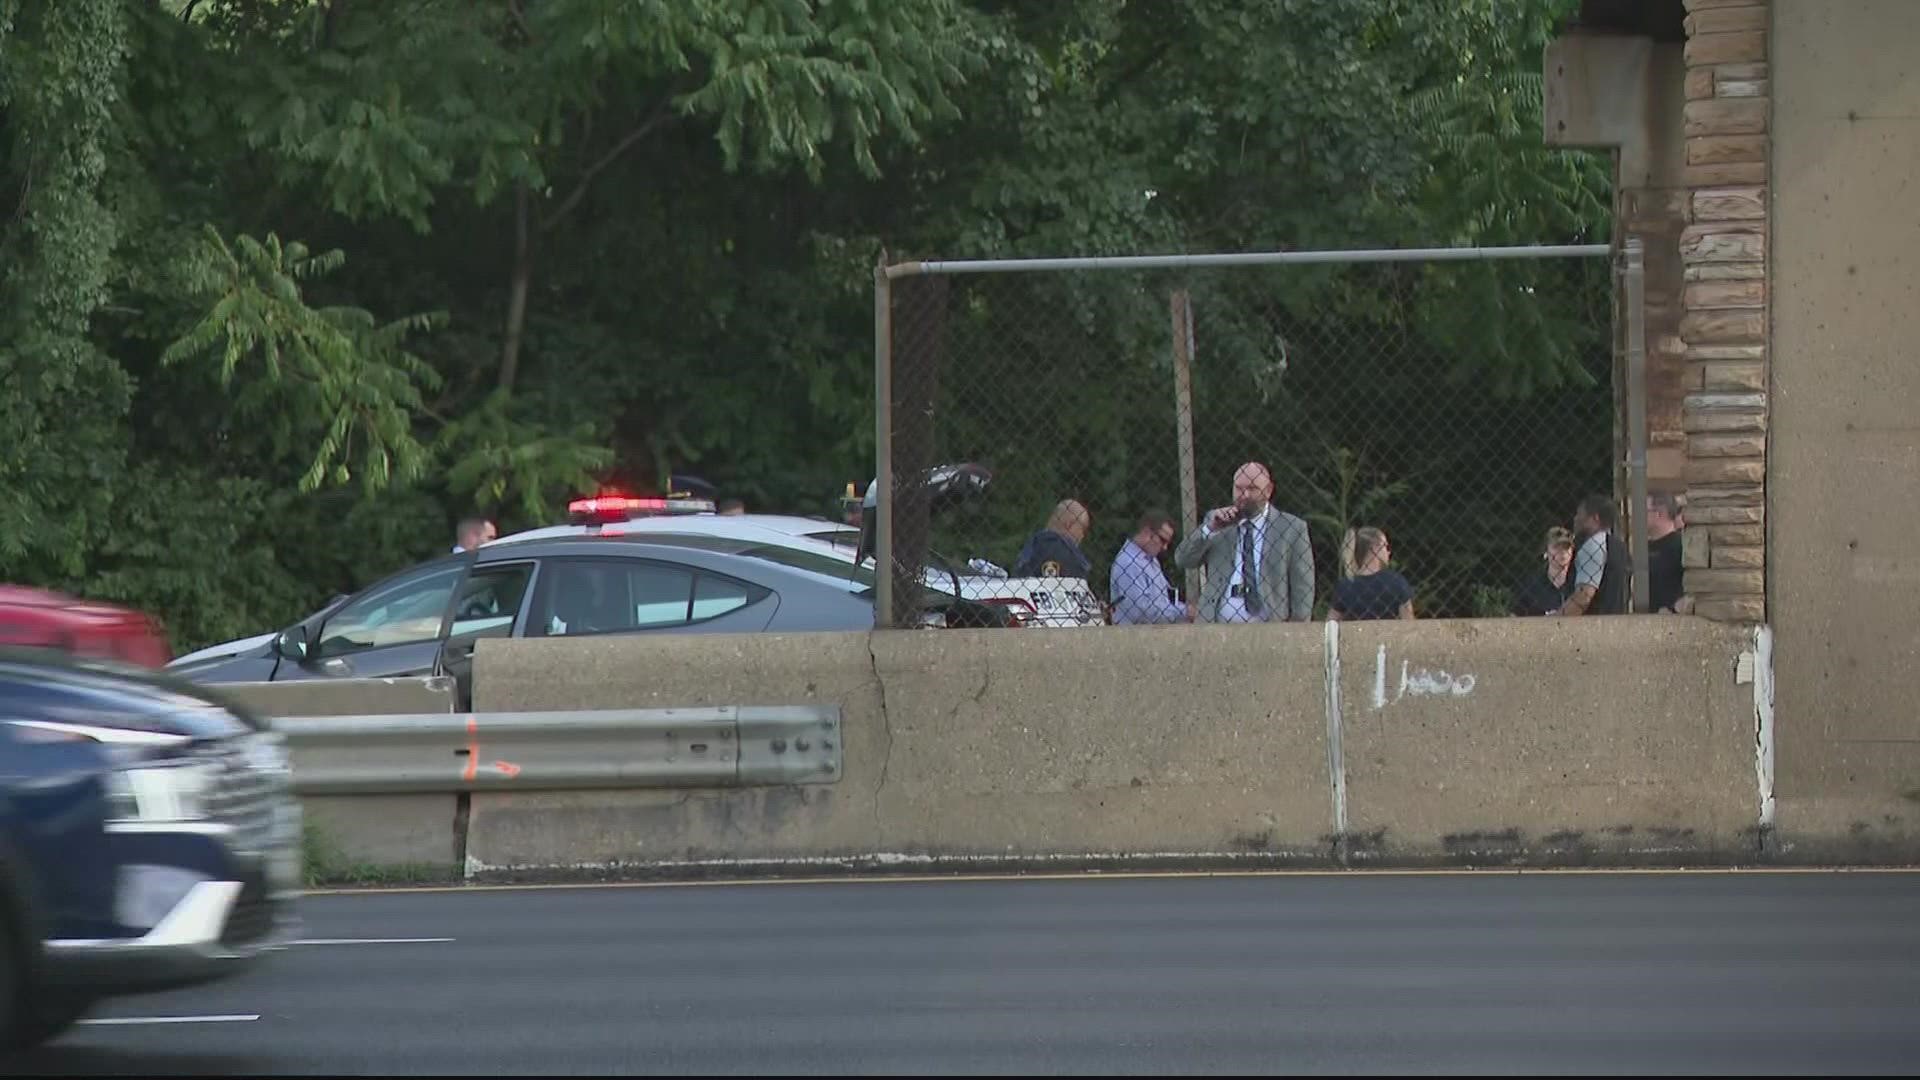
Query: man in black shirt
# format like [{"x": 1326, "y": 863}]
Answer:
[
  {"x": 1664, "y": 527},
  {"x": 1602, "y": 566}
]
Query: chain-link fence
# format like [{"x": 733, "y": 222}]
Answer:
[{"x": 1265, "y": 440}]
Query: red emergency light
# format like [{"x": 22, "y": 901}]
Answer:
[{"x": 612, "y": 507}]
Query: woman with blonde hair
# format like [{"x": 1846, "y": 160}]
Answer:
[{"x": 1369, "y": 589}]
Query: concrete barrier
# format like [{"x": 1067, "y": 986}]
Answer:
[
  {"x": 1548, "y": 741},
  {"x": 964, "y": 748},
  {"x": 1645, "y": 740},
  {"x": 1496, "y": 742},
  {"x": 356, "y": 835},
  {"x": 1208, "y": 740},
  {"x": 585, "y": 829}
]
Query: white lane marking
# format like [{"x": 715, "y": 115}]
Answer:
[
  {"x": 374, "y": 941},
  {"x": 123, "y": 1021}
]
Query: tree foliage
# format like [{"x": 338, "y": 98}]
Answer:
[
  {"x": 61, "y": 397},
  {"x": 333, "y": 379},
  {"x": 292, "y": 284}
]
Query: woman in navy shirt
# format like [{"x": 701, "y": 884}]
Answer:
[{"x": 1371, "y": 590}]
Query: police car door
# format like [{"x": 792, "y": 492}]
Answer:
[
  {"x": 490, "y": 603},
  {"x": 392, "y": 629}
]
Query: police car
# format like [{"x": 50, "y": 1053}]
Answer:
[
  {"x": 988, "y": 595},
  {"x": 1037, "y": 602}
]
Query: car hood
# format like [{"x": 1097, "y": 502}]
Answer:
[
  {"x": 223, "y": 650},
  {"x": 88, "y": 694}
]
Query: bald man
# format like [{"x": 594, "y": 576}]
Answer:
[
  {"x": 1054, "y": 551},
  {"x": 1259, "y": 560}
]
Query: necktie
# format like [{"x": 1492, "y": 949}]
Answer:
[{"x": 1249, "y": 568}]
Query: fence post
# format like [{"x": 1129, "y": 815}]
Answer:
[
  {"x": 1183, "y": 421},
  {"x": 1636, "y": 283},
  {"x": 883, "y": 445}
]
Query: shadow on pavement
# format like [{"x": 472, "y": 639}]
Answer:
[{"x": 57, "y": 1060}]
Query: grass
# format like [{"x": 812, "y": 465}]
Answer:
[{"x": 325, "y": 864}]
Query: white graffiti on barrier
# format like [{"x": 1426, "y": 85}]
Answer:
[{"x": 1418, "y": 681}]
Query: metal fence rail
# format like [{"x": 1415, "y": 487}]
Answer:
[
  {"x": 730, "y": 746},
  {"x": 1460, "y": 400}
]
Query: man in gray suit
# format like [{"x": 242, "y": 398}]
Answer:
[{"x": 1259, "y": 560}]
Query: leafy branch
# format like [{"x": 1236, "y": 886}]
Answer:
[
  {"x": 501, "y": 460},
  {"x": 353, "y": 389}
]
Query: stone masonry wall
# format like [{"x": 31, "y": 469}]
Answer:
[
  {"x": 1725, "y": 326},
  {"x": 1657, "y": 215}
]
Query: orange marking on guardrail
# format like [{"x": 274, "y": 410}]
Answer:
[
  {"x": 473, "y": 750},
  {"x": 507, "y": 769}
]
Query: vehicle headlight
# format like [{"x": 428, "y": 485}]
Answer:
[{"x": 160, "y": 792}]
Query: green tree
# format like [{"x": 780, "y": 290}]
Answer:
[
  {"x": 294, "y": 283},
  {"x": 61, "y": 398}
]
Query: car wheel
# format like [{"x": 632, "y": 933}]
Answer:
[
  {"x": 28, "y": 1019},
  {"x": 39, "y": 1019},
  {"x": 11, "y": 976}
]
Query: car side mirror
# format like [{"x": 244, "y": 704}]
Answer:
[{"x": 292, "y": 643}]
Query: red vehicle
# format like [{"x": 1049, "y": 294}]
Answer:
[{"x": 50, "y": 620}]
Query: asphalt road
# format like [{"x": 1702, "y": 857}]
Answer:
[{"x": 1489, "y": 973}]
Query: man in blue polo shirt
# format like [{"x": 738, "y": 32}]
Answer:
[{"x": 1140, "y": 591}]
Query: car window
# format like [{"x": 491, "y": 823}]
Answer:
[
  {"x": 489, "y": 601},
  {"x": 814, "y": 562},
  {"x": 407, "y": 611},
  {"x": 714, "y": 596},
  {"x": 658, "y": 595},
  {"x": 599, "y": 596}
]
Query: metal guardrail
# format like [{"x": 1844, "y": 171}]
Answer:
[{"x": 729, "y": 746}]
